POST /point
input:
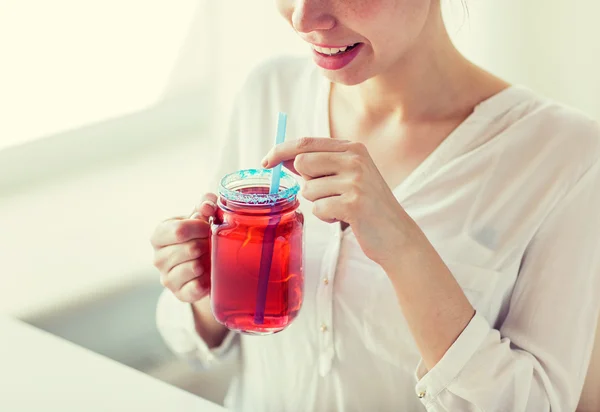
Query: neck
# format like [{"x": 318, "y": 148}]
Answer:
[{"x": 433, "y": 81}]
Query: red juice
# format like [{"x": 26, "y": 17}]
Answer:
[{"x": 242, "y": 234}]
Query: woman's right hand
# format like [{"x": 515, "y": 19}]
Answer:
[{"x": 181, "y": 252}]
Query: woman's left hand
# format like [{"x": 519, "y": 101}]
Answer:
[{"x": 344, "y": 184}]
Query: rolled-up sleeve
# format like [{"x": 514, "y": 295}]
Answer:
[
  {"x": 176, "y": 324},
  {"x": 538, "y": 358}
]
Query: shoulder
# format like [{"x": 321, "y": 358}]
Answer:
[
  {"x": 573, "y": 125},
  {"x": 554, "y": 135},
  {"x": 563, "y": 128},
  {"x": 573, "y": 136}
]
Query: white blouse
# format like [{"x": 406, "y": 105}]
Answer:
[{"x": 511, "y": 202}]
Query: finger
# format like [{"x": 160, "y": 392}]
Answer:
[
  {"x": 175, "y": 231},
  {"x": 289, "y": 150},
  {"x": 205, "y": 210},
  {"x": 328, "y": 209},
  {"x": 319, "y": 164},
  {"x": 323, "y": 187},
  {"x": 289, "y": 164},
  {"x": 193, "y": 291},
  {"x": 166, "y": 258},
  {"x": 181, "y": 274},
  {"x": 209, "y": 199}
]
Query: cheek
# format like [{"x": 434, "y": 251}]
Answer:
[
  {"x": 361, "y": 10},
  {"x": 378, "y": 20},
  {"x": 394, "y": 23}
]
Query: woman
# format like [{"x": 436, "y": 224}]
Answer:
[{"x": 451, "y": 227}]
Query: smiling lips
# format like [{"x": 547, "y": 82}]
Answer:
[
  {"x": 332, "y": 51},
  {"x": 335, "y": 58}
]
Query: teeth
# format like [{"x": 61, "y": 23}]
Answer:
[{"x": 330, "y": 51}]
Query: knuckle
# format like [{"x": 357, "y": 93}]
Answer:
[
  {"x": 197, "y": 267},
  {"x": 355, "y": 182},
  {"x": 193, "y": 249},
  {"x": 353, "y": 199},
  {"x": 298, "y": 165},
  {"x": 196, "y": 288},
  {"x": 305, "y": 191},
  {"x": 320, "y": 207},
  {"x": 303, "y": 142},
  {"x": 357, "y": 147},
  {"x": 158, "y": 261},
  {"x": 181, "y": 230},
  {"x": 301, "y": 161},
  {"x": 316, "y": 209},
  {"x": 321, "y": 212},
  {"x": 184, "y": 297},
  {"x": 165, "y": 281},
  {"x": 192, "y": 292},
  {"x": 355, "y": 162}
]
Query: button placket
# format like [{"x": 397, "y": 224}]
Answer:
[{"x": 325, "y": 303}]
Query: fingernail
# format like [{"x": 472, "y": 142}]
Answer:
[
  {"x": 264, "y": 162},
  {"x": 211, "y": 204}
]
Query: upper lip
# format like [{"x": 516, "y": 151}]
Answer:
[{"x": 327, "y": 46}]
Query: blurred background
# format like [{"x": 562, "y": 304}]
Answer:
[{"x": 110, "y": 111}]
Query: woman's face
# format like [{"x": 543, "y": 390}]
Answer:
[{"x": 368, "y": 37}]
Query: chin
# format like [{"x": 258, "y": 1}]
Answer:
[{"x": 346, "y": 77}]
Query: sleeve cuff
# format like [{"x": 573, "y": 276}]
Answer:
[
  {"x": 431, "y": 383},
  {"x": 175, "y": 322}
]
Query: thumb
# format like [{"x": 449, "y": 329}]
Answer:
[{"x": 206, "y": 208}]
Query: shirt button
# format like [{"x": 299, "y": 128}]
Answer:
[
  {"x": 323, "y": 327},
  {"x": 326, "y": 281},
  {"x": 421, "y": 394}
]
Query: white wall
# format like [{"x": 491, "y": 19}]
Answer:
[{"x": 552, "y": 46}]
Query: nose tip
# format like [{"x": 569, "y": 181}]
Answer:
[{"x": 311, "y": 15}]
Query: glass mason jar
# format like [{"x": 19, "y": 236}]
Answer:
[{"x": 257, "y": 253}]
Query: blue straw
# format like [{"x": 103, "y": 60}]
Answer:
[
  {"x": 268, "y": 245},
  {"x": 276, "y": 174}
]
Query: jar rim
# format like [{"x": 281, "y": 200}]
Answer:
[{"x": 232, "y": 182}]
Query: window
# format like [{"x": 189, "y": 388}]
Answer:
[{"x": 68, "y": 63}]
